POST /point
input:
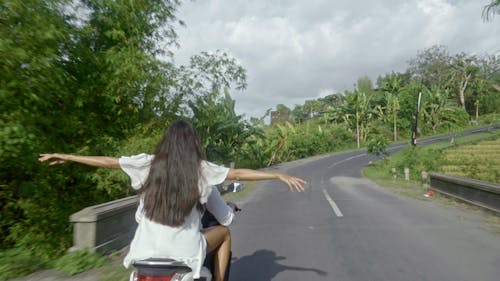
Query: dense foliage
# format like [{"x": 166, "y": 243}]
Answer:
[{"x": 92, "y": 77}]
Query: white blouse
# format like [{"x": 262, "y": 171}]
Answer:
[{"x": 184, "y": 243}]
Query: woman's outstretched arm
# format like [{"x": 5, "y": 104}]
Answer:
[
  {"x": 96, "y": 161},
  {"x": 252, "y": 175}
]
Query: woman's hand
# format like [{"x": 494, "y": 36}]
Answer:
[
  {"x": 253, "y": 175},
  {"x": 57, "y": 158},
  {"x": 292, "y": 182}
]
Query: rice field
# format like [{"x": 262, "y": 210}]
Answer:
[{"x": 479, "y": 161}]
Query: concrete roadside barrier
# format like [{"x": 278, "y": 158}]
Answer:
[
  {"x": 479, "y": 193},
  {"x": 105, "y": 227}
]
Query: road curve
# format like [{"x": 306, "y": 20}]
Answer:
[{"x": 345, "y": 227}]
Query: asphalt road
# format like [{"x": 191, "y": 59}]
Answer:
[{"x": 345, "y": 227}]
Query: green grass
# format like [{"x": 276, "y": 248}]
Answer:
[
  {"x": 19, "y": 262},
  {"x": 466, "y": 139},
  {"x": 79, "y": 261},
  {"x": 479, "y": 161}
]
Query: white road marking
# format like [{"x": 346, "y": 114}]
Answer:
[
  {"x": 334, "y": 206},
  {"x": 347, "y": 159},
  {"x": 396, "y": 147}
]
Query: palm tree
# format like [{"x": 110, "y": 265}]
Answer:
[{"x": 491, "y": 9}]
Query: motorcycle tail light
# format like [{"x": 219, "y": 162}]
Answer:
[{"x": 156, "y": 278}]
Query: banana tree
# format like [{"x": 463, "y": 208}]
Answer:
[
  {"x": 433, "y": 104},
  {"x": 358, "y": 108},
  {"x": 392, "y": 109},
  {"x": 392, "y": 86},
  {"x": 490, "y": 9},
  {"x": 279, "y": 143},
  {"x": 222, "y": 132}
]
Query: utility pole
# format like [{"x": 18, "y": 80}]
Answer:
[{"x": 415, "y": 125}]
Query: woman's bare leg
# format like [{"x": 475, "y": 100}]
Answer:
[{"x": 219, "y": 240}]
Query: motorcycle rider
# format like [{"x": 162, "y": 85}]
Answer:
[{"x": 173, "y": 183}]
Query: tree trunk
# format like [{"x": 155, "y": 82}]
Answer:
[
  {"x": 357, "y": 131},
  {"x": 463, "y": 87},
  {"x": 477, "y": 110},
  {"x": 395, "y": 126}
]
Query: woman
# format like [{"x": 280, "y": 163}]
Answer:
[{"x": 173, "y": 184}]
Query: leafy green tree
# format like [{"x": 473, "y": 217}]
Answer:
[
  {"x": 486, "y": 88},
  {"x": 313, "y": 107},
  {"x": 407, "y": 103},
  {"x": 212, "y": 75},
  {"x": 431, "y": 66},
  {"x": 222, "y": 132},
  {"x": 328, "y": 108},
  {"x": 463, "y": 69},
  {"x": 365, "y": 85},
  {"x": 86, "y": 84},
  {"x": 434, "y": 67},
  {"x": 31, "y": 36},
  {"x": 332, "y": 100},
  {"x": 299, "y": 114},
  {"x": 115, "y": 63}
]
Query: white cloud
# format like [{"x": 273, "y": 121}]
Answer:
[{"x": 293, "y": 50}]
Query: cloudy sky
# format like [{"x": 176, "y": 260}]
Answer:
[{"x": 294, "y": 50}]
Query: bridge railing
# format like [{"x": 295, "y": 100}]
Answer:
[
  {"x": 105, "y": 227},
  {"x": 480, "y": 193},
  {"x": 110, "y": 226}
]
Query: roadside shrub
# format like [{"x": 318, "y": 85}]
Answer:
[
  {"x": 453, "y": 118},
  {"x": 19, "y": 262},
  {"x": 418, "y": 159},
  {"x": 489, "y": 119},
  {"x": 79, "y": 261},
  {"x": 287, "y": 142},
  {"x": 313, "y": 139},
  {"x": 377, "y": 146}
]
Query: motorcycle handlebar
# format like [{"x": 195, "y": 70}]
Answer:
[{"x": 233, "y": 206}]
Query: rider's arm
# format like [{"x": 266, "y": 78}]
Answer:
[
  {"x": 252, "y": 175},
  {"x": 219, "y": 208},
  {"x": 96, "y": 161}
]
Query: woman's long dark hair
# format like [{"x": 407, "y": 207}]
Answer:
[{"x": 171, "y": 189}]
